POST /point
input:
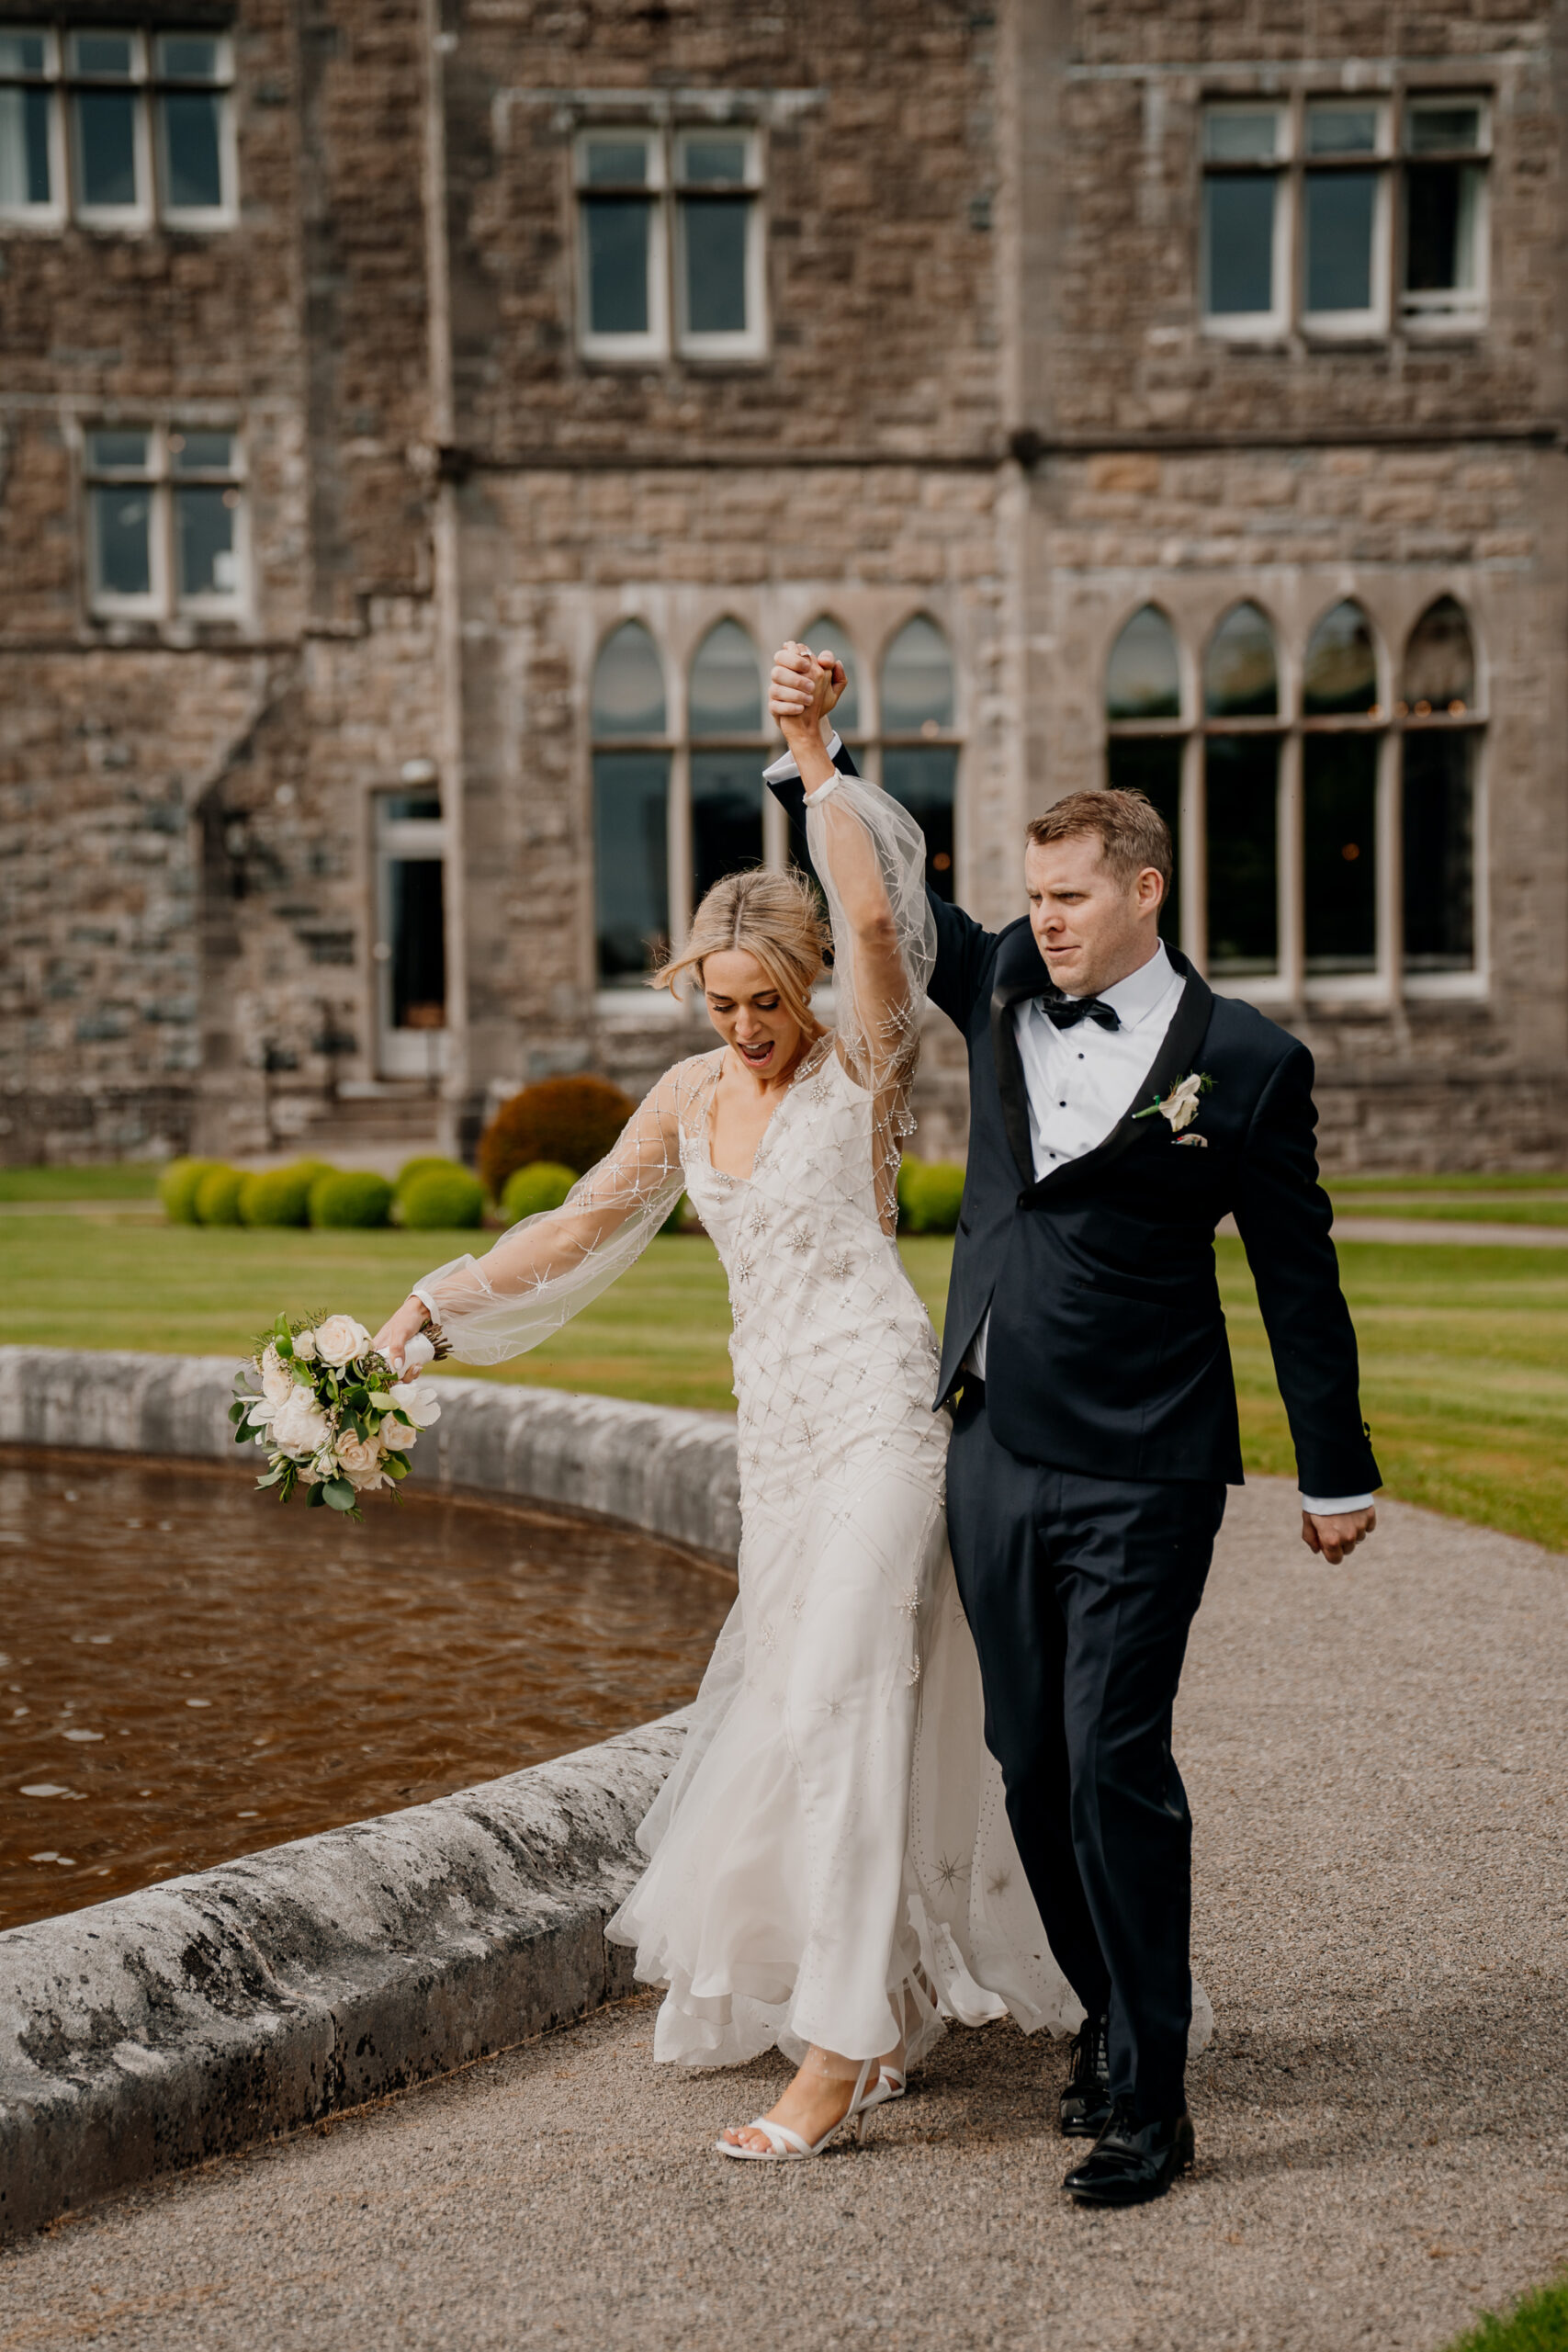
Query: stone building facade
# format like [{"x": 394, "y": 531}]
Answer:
[{"x": 421, "y": 418}]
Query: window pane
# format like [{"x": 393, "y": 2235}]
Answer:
[
  {"x": 1342, "y": 130},
  {"x": 616, "y": 162},
  {"x": 628, "y": 684},
  {"x": 21, "y": 52},
  {"x": 727, "y": 817},
  {"x": 714, "y": 235},
  {"x": 826, "y": 636},
  {"x": 1143, "y": 677},
  {"x": 924, "y": 780},
  {"x": 23, "y": 148},
  {"x": 705, "y": 160},
  {"x": 1340, "y": 209},
  {"x": 1341, "y": 672},
  {"x": 1432, "y": 130},
  {"x": 417, "y": 917},
  {"x": 1152, "y": 764},
  {"x": 110, "y": 54},
  {"x": 727, "y": 684},
  {"x": 1251, "y": 137},
  {"x": 618, "y": 231},
  {"x": 1240, "y": 676},
  {"x": 193, "y": 159},
  {"x": 197, "y": 453},
  {"x": 1239, "y": 229},
  {"x": 1242, "y": 774},
  {"x": 188, "y": 57},
  {"x": 916, "y": 680},
  {"x": 116, "y": 451},
  {"x": 1442, "y": 202},
  {"x": 1439, "y": 662},
  {"x": 204, "y": 542},
  {"x": 1440, "y": 852},
  {"x": 1339, "y": 787},
  {"x": 106, "y": 146},
  {"x": 631, "y": 862},
  {"x": 122, "y": 541}
]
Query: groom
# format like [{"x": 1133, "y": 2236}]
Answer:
[{"x": 1118, "y": 1109}]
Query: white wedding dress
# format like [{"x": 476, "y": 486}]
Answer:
[{"x": 832, "y": 1848}]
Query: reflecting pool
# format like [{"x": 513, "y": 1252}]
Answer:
[{"x": 189, "y": 1670}]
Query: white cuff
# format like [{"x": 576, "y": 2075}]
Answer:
[
  {"x": 1334, "y": 1506},
  {"x": 783, "y": 770}
]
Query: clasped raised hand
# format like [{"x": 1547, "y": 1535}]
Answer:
[{"x": 804, "y": 688}]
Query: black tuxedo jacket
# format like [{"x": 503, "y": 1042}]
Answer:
[{"x": 1107, "y": 1351}]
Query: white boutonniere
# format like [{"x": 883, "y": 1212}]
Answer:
[{"x": 1179, "y": 1107}]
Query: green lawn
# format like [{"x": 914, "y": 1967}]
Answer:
[
  {"x": 1465, "y": 1372},
  {"x": 1534, "y": 1208},
  {"x": 125, "y": 1180},
  {"x": 1538, "y": 2324}
]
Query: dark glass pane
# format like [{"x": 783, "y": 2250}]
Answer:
[
  {"x": 1339, "y": 791},
  {"x": 727, "y": 817},
  {"x": 1152, "y": 764},
  {"x": 1342, "y": 129},
  {"x": 826, "y": 636},
  {"x": 1242, "y": 774},
  {"x": 1143, "y": 677},
  {"x": 727, "y": 684},
  {"x": 1240, "y": 678},
  {"x": 1241, "y": 135},
  {"x": 23, "y": 148},
  {"x": 1440, "y": 202},
  {"x": 1439, "y": 662},
  {"x": 628, "y": 684},
  {"x": 107, "y": 54},
  {"x": 1437, "y": 129},
  {"x": 924, "y": 779},
  {"x": 715, "y": 236},
  {"x": 1341, "y": 672},
  {"x": 631, "y": 862},
  {"x": 617, "y": 228},
  {"x": 197, "y": 453},
  {"x": 916, "y": 680},
  {"x": 204, "y": 541},
  {"x": 188, "y": 57},
  {"x": 1238, "y": 225},
  {"x": 1440, "y": 852},
  {"x": 398, "y": 808},
  {"x": 123, "y": 540},
  {"x": 703, "y": 161},
  {"x": 1340, "y": 207},
  {"x": 21, "y": 52},
  {"x": 191, "y": 151},
  {"x": 616, "y": 163},
  {"x": 418, "y": 942},
  {"x": 106, "y": 146},
  {"x": 117, "y": 452}
]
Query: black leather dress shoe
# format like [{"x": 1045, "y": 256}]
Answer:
[
  {"x": 1085, "y": 2101},
  {"x": 1131, "y": 2161}
]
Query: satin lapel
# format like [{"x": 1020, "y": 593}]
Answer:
[
  {"x": 1024, "y": 976},
  {"x": 1187, "y": 1030}
]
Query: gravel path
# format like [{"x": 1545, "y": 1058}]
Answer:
[{"x": 1376, "y": 1760}]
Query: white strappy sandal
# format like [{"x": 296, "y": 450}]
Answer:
[{"x": 785, "y": 2147}]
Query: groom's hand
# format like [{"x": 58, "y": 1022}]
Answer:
[{"x": 1337, "y": 1533}]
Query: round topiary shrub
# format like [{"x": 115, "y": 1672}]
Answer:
[
  {"x": 355, "y": 1197},
  {"x": 441, "y": 1200},
  {"x": 572, "y": 1120},
  {"x": 421, "y": 1167},
  {"x": 177, "y": 1188},
  {"x": 930, "y": 1192},
  {"x": 543, "y": 1184},
  {"x": 277, "y": 1196},
  {"x": 217, "y": 1196}
]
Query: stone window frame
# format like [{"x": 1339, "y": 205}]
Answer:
[
  {"x": 1393, "y": 311},
  {"x": 63, "y": 84},
  {"x": 163, "y": 604},
  {"x": 1393, "y": 622},
  {"x": 669, "y": 196}
]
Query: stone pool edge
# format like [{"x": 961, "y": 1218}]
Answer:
[{"x": 194, "y": 2018}]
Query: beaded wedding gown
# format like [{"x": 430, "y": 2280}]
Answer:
[{"x": 832, "y": 1850}]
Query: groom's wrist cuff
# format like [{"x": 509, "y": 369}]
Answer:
[
  {"x": 1333, "y": 1506},
  {"x": 782, "y": 771}
]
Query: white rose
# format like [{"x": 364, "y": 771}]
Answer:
[
  {"x": 1181, "y": 1105},
  {"x": 341, "y": 1340},
  {"x": 299, "y": 1426},
  {"x": 418, "y": 1399},
  {"x": 359, "y": 1461},
  {"x": 277, "y": 1380},
  {"x": 397, "y": 1436},
  {"x": 304, "y": 1347}
]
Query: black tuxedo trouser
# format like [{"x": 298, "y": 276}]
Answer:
[{"x": 1079, "y": 1592}]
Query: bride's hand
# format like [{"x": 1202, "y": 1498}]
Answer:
[
  {"x": 804, "y": 688},
  {"x": 397, "y": 1331}
]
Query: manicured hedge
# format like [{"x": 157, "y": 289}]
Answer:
[
  {"x": 441, "y": 1200},
  {"x": 543, "y": 1184},
  {"x": 420, "y": 1166},
  {"x": 277, "y": 1196},
  {"x": 574, "y": 1121},
  {"x": 930, "y": 1192},
  {"x": 177, "y": 1188},
  {"x": 354, "y": 1198},
  {"x": 217, "y": 1196}
]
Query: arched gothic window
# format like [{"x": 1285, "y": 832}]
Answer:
[
  {"x": 1142, "y": 704},
  {"x": 826, "y": 635},
  {"x": 725, "y": 721},
  {"x": 919, "y": 743},
  {"x": 631, "y": 798},
  {"x": 1344, "y": 727},
  {"x": 1241, "y": 794},
  {"x": 1441, "y": 743}
]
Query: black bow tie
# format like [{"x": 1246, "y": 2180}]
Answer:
[{"x": 1066, "y": 1012}]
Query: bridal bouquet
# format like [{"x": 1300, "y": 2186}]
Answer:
[{"x": 335, "y": 1416}]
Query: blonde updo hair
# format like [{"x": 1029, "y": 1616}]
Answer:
[{"x": 770, "y": 916}]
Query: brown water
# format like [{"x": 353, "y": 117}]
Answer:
[{"x": 189, "y": 1670}]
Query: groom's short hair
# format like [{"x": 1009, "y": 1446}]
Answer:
[{"x": 1131, "y": 831}]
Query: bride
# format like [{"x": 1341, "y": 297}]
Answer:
[{"x": 830, "y": 1868}]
